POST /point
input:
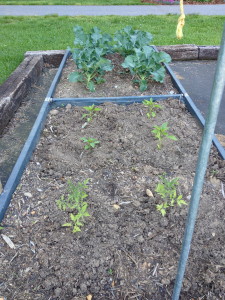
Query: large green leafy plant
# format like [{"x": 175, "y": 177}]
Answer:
[
  {"x": 143, "y": 62},
  {"x": 128, "y": 39},
  {"x": 91, "y": 67},
  {"x": 146, "y": 64},
  {"x": 94, "y": 39}
]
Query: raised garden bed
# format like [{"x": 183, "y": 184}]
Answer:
[{"x": 126, "y": 249}]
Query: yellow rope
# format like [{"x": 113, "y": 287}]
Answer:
[{"x": 181, "y": 21}]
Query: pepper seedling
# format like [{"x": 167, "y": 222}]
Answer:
[
  {"x": 90, "y": 143},
  {"x": 75, "y": 201},
  {"x": 151, "y": 105},
  {"x": 160, "y": 132},
  {"x": 91, "y": 112},
  {"x": 167, "y": 189}
]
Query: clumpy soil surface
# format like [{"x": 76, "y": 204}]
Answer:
[
  {"x": 118, "y": 82},
  {"x": 126, "y": 249}
]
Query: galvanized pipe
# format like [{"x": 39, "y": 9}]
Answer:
[{"x": 215, "y": 100}]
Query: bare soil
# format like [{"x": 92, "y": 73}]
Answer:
[
  {"x": 117, "y": 83},
  {"x": 127, "y": 251}
]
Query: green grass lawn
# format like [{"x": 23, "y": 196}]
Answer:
[
  {"x": 21, "y": 34},
  {"x": 71, "y": 2}
]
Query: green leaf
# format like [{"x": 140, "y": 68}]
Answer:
[
  {"x": 74, "y": 218},
  {"x": 160, "y": 188},
  {"x": 159, "y": 75},
  {"x": 164, "y": 126},
  {"x": 91, "y": 86},
  {"x": 96, "y": 36},
  {"x": 84, "y": 116},
  {"x": 80, "y": 36},
  {"x": 84, "y": 207},
  {"x": 67, "y": 225},
  {"x": 163, "y": 57},
  {"x": 129, "y": 62},
  {"x": 163, "y": 212},
  {"x": 75, "y": 77},
  {"x": 147, "y": 51},
  {"x": 76, "y": 229},
  {"x": 172, "y": 137},
  {"x": 143, "y": 85},
  {"x": 79, "y": 223},
  {"x": 86, "y": 214},
  {"x": 180, "y": 202},
  {"x": 99, "y": 80}
]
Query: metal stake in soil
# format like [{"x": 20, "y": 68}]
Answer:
[{"x": 216, "y": 96}]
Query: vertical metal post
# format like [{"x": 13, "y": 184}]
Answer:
[{"x": 215, "y": 100}]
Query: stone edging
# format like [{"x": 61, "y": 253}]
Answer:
[
  {"x": 191, "y": 52},
  {"x": 15, "y": 88}
]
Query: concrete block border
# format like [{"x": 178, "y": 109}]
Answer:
[
  {"x": 191, "y": 52},
  {"x": 16, "y": 87}
]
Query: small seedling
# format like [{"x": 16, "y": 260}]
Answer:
[
  {"x": 214, "y": 173},
  {"x": 90, "y": 143},
  {"x": 160, "y": 132},
  {"x": 167, "y": 189},
  {"x": 110, "y": 271},
  {"x": 151, "y": 105},
  {"x": 75, "y": 201},
  {"x": 91, "y": 112}
]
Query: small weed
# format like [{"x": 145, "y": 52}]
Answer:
[
  {"x": 110, "y": 271},
  {"x": 167, "y": 189},
  {"x": 75, "y": 201},
  {"x": 91, "y": 112},
  {"x": 151, "y": 105},
  {"x": 214, "y": 173},
  {"x": 1, "y": 227},
  {"x": 90, "y": 143},
  {"x": 160, "y": 132}
]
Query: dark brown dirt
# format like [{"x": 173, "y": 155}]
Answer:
[
  {"x": 117, "y": 83},
  {"x": 126, "y": 249}
]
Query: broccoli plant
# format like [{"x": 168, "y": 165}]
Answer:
[
  {"x": 146, "y": 64},
  {"x": 91, "y": 65},
  {"x": 94, "y": 39},
  {"x": 127, "y": 39}
]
